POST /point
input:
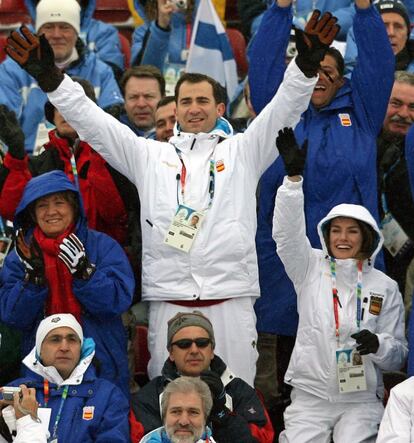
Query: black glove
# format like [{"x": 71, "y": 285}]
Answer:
[
  {"x": 35, "y": 56},
  {"x": 313, "y": 43},
  {"x": 11, "y": 133},
  {"x": 218, "y": 393},
  {"x": 32, "y": 258},
  {"x": 293, "y": 157},
  {"x": 73, "y": 254},
  {"x": 368, "y": 342}
]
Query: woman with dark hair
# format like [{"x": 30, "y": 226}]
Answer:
[
  {"x": 59, "y": 265},
  {"x": 351, "y": 315}
]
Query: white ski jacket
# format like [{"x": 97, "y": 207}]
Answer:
[
  {"x": 222, "y": 262},
  {"x": 312, "y": 367}
]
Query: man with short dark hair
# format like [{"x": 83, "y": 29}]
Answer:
[
  {"x": 84, "y": 408},
  {"x": 143, "y": 87},
  {"x": 165, "y": 119},
  {"x": 237, "y": 413},
  {"x": 204, "y": 170}
]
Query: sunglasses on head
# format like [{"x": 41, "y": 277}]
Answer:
[{"x": 185, "y": 343}]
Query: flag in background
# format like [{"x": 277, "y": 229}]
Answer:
[{"x": 210, "y": 51}]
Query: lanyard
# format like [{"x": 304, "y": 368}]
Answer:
[
  {"x": 73, "y": 163},
  {"x": 183, "y": 176},
  {"x": 2, "y": 229},
  {"x": 46, "y": 392},
  {"x": 336, "y": 300}
]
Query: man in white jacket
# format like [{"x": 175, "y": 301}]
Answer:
[{"x": 203, "y": 170}]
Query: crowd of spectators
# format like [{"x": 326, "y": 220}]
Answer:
[{"x": 264, "y": 242}]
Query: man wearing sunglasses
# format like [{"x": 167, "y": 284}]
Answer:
[{"x": 237, "y": 413}]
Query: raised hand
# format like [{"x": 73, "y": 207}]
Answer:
[
  {"x": 35, "y": 56},
  {"x": 32, "y": 258},
  {"x": 73, "y": 254},
  {"x": 314, "y": 41},
  {"x": 11, "y": 133},
  {"x": 293, "y": 156}
]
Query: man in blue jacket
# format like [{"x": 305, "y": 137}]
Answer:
[
  {"x": 341, "y": 126},
  {"x": 83, "y": 408},
  {"x": 60, "y": 22}
]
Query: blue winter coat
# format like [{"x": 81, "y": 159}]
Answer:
[
  {"x": 343, "y": 10},
  {"x": 341, "y": 158},
  {"x": 20, "y": 92},
  {"x": 100, "y": 37},
  {"x": 110, "y": 409},
  {"x": 159, "y": 47},
  {"x": 103, "y": 298}
]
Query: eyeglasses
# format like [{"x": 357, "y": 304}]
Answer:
[{"x": 185, "y": 343}]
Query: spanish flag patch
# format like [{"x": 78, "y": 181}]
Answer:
[
  {"x": 219, "y": 165},
  {"x": 88, "y": 412},
  {"x": 345, "y": 119}
]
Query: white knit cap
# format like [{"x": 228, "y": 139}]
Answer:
[
  {"x": 56, "y": 321},
  {"x": 52, "y": 11}
]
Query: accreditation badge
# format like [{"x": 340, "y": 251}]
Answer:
[
  {"x": 394, "y": 236},
  {"x": 350, "y": 369},
  {"x": 184, "y": 228}
]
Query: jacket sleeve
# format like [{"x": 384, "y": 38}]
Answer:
[
  {"x": 11, "y": 86},
  {"x": 393, "y": 350},
  {"x": 267, "y": 55},
  {"x": 396, "y": 425},
  {"x": 29, "y": 430},
  {"x": 21, "y": 302},
  {"x": 150, "y": 45},
  {"x": 290, "y": 101},
  {"x": 372, "y": 81},
  {"x": 248, "y": 422},
  {"x": 289, "y": 231},
  {"x": 146, "y": 406},
  {"x": 11, "y": 192},
  {"x": 110, "y": 289},
  {"x": 114, "y": 426},
  {"x": 119, "y": 146}
]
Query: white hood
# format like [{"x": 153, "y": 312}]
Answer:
[{"x": 356, "y": 212}]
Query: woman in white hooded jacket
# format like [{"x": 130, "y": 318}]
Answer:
[{"x": 351, "y": 315}]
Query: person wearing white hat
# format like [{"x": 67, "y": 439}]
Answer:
[
  {"x": 62, "y": 378},
  {"x": 60, "y": 23}
]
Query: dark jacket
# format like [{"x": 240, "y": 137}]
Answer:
[
  {"x": 103, "y": 298},
  {"x": 248, "y": 422}
]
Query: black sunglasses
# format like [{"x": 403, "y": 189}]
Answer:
[{"x": 185, "y": 343}]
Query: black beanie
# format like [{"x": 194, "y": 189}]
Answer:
[{"x": 396, "y": 6}]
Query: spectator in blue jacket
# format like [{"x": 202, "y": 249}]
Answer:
[
  {"x": 84, "y": 408},
  {"x": 251, "y": 13},
  {"x": 163, "y": 40},
  {"x": 60, "y": 22},
  {"x": 99, "y": 37},
  {"x": 341, "y": 126},
  {"x": 143, "y": 87},
  {"x": 59, "y": 265},
  {"x": 397, "y": 23}
]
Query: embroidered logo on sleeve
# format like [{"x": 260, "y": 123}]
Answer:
[
  {"x": 88, "y": 412},
  {"x": 345, "y": 119}
]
